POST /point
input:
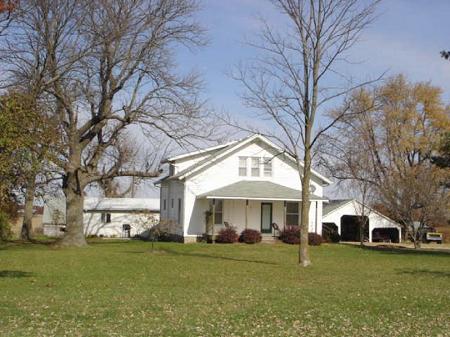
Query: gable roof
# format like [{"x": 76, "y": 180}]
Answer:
[
  {"x": 256, "y": 190},
  {"x": 58, "y": 204},
  {"x": 230, "y": 147},
  {"x": 189, "y": 155},
  {"x": 121, "y": 204},
  {"x": 334, "y": 205}
]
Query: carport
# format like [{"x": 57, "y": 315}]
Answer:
[
  {"x": 351, "y": 227},
  {"x": 386, "y": 235},
  {"x": 346, "y": 215}
]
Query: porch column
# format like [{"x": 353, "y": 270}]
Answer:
[
  {"x": 284, "y": 214},
  {"x": 213, "y": 220},
  {"x": 246, "y": 214},
  {"x": 370, "y": 233}
]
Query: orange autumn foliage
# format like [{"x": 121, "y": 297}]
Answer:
[{"x": 8, "y": 5}]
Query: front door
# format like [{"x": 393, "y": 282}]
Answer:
[{"x": 266, "y": 217}]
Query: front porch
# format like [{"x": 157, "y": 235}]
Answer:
[
  {"x": 257, "y": 205},
  {"x": 248, "y": 214}
]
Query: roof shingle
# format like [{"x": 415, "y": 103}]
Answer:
[{"x": 260, "y": 190}]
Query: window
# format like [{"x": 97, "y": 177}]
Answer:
[
  {"x": 219, "y": 212},
  {"x": 179, "y": 212},
  {"x": 242, "y": 166},
  {"x": 292, "y": 214},
  {"x": 255, "y": 167},
  {"x": 267, "y": 167},
  {"x": 106, "y": 217},
  {"x": 164, "y": 203},
  {"x": 171, "y": 203}
]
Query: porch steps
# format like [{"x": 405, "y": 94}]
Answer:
[{"x": 269, "y": 239}]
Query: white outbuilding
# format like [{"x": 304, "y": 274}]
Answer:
[
  {"x": 105, "y": 217},
  {"x": 346, "y": 215}
]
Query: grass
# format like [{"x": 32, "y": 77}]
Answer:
[{"x": 122, "y": 289}]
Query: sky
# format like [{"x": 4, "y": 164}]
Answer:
[{"x": 406, "y": 37}]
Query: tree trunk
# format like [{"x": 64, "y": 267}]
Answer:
[
  {"x": 304, "y": 259},
  {"x": 27, "y": 225},
  {"x": 73, "y": 187},
  {"x": 362, "y": 228},
  {"x": 417, "y": 239},
  {"x": 416, "y": 244},
  {"x": 74, "y": 235},
  {"x": 415, "y": 234}
]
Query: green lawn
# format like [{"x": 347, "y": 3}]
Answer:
[{"x": 122, "y": 289}]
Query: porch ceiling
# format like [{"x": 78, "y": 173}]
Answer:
[{"x": 256, "y": 190}]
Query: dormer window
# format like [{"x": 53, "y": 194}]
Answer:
[
  {"x": 255, "y": 167},
  {"x": 242, "y": 166}
]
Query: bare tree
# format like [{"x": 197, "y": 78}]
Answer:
[
  {"x": 287, "y": 81},
  {"x": 343, "y": 157},
  {"x": 106, "y": 66},
  {"x": 124, "y": 154}
]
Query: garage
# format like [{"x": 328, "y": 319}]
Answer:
[{"x": 347, "y": 215}]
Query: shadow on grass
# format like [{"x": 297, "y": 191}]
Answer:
[
  {"x": 46, "y": 242},
  {"x": 209, "y": 256},
  {"x": 385, "y": 249},
  {"x": 14, "y": 273},
  {"x": 424, "y": 272},
  {"x": 24, "y": 243},
  {"x": 107, "y": 241}
]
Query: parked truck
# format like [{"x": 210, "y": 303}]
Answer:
[{"x": 434, "y": 237}]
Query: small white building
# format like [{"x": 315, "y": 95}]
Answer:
[
  {"x": 250, "y": 183},
  {"x": 344, "y": 215},
  {"x": 105, "y": 217}
]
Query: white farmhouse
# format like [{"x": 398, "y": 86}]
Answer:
[
  {"x": 250, "y": 183},
  {"x": 105, "y": 217}
]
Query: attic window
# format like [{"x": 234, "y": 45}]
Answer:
[
  {"x": 255, "y": 167},
  {"x": 242, "y": 166},
  {"x": 267, "y": 167}
]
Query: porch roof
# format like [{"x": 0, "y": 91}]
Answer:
[{"x": 257, "y": 190}]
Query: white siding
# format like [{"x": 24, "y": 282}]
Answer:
[
  {"x": 225, "y": 172},
  {"x": 173, "y": 192},
  {"x": 139, "y": 223}
]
